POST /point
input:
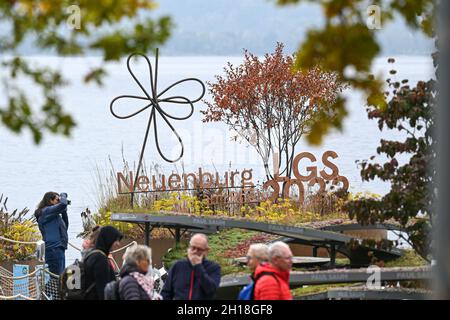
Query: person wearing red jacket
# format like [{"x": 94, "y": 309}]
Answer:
[{"x": 273, "y": 277}]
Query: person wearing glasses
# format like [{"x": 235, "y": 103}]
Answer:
[
  {"x": 273, "y": 283},
  {"x": 194, "y": 278}
]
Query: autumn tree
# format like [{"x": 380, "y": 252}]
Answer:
[
  {"x": 411, "y": 110},
  {"x": 270, "y": 106},
  {"x": 110, "y": 29},
  {"x": 346, "y": 44}
]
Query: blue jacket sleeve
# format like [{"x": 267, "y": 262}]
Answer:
[
  {"x": 167, "y": 291},
  {"x": 209, "y": 281},
  {"x": 52, "y": 212}
]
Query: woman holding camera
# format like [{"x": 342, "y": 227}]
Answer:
[{"x": 51, "y": 215}]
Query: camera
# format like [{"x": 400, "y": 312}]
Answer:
[{"x": 69, "y": 202}]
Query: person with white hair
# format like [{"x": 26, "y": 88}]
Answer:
[
  {"x": 194, "y": 278},
  {"x": 272, "y": 279},
  {"x": 258, "y": 253},
  {"x": 134, "y": 284}
]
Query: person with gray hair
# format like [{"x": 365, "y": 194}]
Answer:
[
  {"x": 194, "y": 278},
  {"x": 134, "y": 284},
  {"x": 258, "y": 253},
  {"x": 272, "y": 279}
]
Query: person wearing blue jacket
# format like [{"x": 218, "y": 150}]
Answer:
[
  {"x": 53, "y": 222},
  {"x": 257, "y": 254},
  {"x": 194, "y": 278}
]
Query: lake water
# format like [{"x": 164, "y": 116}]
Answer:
[{"x": 27, "y": 171}]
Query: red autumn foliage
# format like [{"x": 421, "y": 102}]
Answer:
[{"x": 269, "y": 105}]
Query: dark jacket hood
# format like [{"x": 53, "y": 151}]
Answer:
[{"x": 106, "y": 237}]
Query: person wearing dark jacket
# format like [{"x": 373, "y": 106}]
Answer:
[
  {"x": 98, "y": 270},
  {"x": 134, "y": 284},
  {"x": 51, "y": 216},
  {"x": 194, "y": 278}
]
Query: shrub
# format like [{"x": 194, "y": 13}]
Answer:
[{"x": 16, "y": 227}]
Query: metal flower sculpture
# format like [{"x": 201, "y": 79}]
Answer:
[{"x": 154, "y": 99}]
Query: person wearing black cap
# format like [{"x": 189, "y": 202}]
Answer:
[{"x": 97, "y": 267}]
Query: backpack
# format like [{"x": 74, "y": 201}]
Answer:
[
  {"x": 112, "y": 290},
  {"x": 73, "y": 284},
  {"x": 248, "y": 293}
]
